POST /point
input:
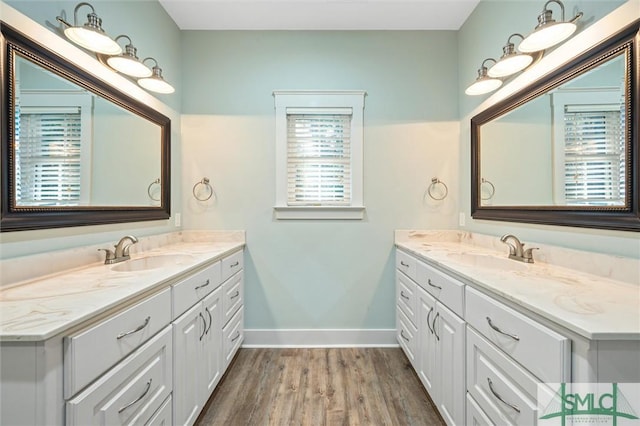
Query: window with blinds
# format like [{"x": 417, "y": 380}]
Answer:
[
  {"x": 48, "y": 148},
  {"x": 319, "y": 158},
  {"x": 594, "y": 160}
]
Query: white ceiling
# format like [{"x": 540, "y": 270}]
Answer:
[{"x": 319, "y": 14}]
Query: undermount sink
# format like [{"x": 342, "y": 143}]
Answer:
[
  {"x": 488, "y": 261},
  {"x": 151, "y": 262}
]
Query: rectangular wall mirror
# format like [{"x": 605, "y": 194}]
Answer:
[
  {"x": 75, "y": 151},
  {"x": 565, "y": 150}
]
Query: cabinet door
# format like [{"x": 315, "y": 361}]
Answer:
[
  {"x": 211, "y": 344},
  {"x": 427, "y": 342},
  {"x": 449, "y": 330},
  {"x": 187, "y": 343}
]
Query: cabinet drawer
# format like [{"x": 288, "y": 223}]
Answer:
[
  {"x": 475, "y": 415},
  {"x": 162, "y": 417},
  {"x": 539, "y": 349},
  {"x": 441, "y": 286},
  {"x": 233, "y": 335},
  {"x": 232, "y": 264},
  {"x": 131, "y": 392},
  {"x": 406, "y": 296},
  {"x": 233, "y": 296},
  {"x": 492, "y": 376},
  {"x": 188, "y": 292},
  {"x": 407, "y": 336},
  {"x": 406, "y": 263},
  {"x": 93, "y": 351}
]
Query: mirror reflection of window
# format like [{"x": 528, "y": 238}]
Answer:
[{"x": 53, "y": 149}]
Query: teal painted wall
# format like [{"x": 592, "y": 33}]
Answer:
[{"x": 315, "y": 274}]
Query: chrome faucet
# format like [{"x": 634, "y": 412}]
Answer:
[
  {"x": 121, "y": 251},
  {"x": 517, "y": 250}
]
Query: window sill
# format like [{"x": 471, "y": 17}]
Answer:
[{"x": 324, "y": 213}]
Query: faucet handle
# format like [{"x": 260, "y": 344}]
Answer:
[
  {"x": 110, "y": 255},
  {"x": 528, "y": 254}
]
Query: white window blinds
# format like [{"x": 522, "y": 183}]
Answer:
[
  {"x": 48, "y": 146},
  {"x": 319, "y": 157},
  {"x": 594, "y": 154}
]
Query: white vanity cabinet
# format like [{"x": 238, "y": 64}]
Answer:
[
  {"x": 431, "y": 334},
  {"x": 201, "y": 333}
]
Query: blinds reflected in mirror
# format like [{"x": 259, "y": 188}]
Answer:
[
  {"x": 319, "y": 158},
  {"x": 594, "y": 170}
]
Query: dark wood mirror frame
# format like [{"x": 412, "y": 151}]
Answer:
[
  {"x": 625, "y": 218},
  {"x": 26, "y": 218}
]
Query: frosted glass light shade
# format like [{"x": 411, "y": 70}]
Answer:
[
  {"x": 510, "y": 65},
  {"x": 93, "y": 40},
  {"x": 547, "y": 36},
  {"x": 129, "y": 66},
  {"x": 482, "y": 86}
]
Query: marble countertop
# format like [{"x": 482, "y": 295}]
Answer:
[
  {"x": 45, "y": 306},
  {"x": 593, "y": 306}
]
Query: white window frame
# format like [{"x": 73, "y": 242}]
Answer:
[{"x": 314, "y": 101}]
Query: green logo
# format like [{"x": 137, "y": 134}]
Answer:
[{"x": 593, "y": 405}]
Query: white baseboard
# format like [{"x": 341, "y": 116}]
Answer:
[{"x": 327, "y": 338}]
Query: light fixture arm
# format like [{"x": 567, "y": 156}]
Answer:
[
  {"x": 559, "y": 3},
  {"x": 153, "y": 59},
  {"x": 483, "y": 66},
  {"x": 513, "y": 35}
]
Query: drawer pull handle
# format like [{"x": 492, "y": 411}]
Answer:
[
  {"x": 433, "y": 285},
  {"x": 403, "y": 336},
  {"x": 513, "y": 336},
  {"x": 434, "y": 326},
  {"x": 146, "y": 391},
  {"x": 428, "y": 315},
  {"x": 404, "y": 296},
  {"x": 204, "y": 329},
  {"x": 406, "y": 265},
  {"x": 514, "y": 407},
  {"x": 233, "y": 265},
  {"x": 237, "y": 336},
  {"x": 210, "y": 320},
  {"x": 235, "y": 295},
  {"x": 126, "y": 333},
  {"x": 206, "y": 283}
]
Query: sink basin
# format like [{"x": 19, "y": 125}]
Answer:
[
  {"x": 151, "y": 262},
  {"x": 488, "y": 261}
]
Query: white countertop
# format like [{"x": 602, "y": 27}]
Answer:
[
  {"x": 596, "y": 307},
  {"x": 43, "y": 307}
]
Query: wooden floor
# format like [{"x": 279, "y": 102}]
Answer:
[{"x": 352, "y": 386}]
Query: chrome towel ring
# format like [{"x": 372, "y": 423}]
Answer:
[
  {"x": 204, "y": 182},
  {"x": 492, "y": 189},
  {"x": 155, "y": 182},
  {"x": 434, "y": 185}
]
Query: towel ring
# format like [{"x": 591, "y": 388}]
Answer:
[
  {"x": 492, "y": 191},
  {"x": 204, "y": 182},
  {"x": 435, "y": 181},
  {"x": 155, "y": 182}
]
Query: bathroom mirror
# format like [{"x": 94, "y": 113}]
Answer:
[
  {"x": 75, "y": 150},
  {"x": 564, "y": 151}
]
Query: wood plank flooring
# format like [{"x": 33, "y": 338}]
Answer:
[{"x": 329, "y": 387}]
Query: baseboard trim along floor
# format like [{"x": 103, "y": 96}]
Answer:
[{"x": 324, "y": 338}]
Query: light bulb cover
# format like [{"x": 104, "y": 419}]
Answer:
[
  {"x": 548, "y": 32},
  {"x": 511, "y": 61},
  {"x": 156, "y": 83},
  {"x": 91, "y": 36},
  {"x": 483, "y": 83},
  {"x": 128, "y": 62}
]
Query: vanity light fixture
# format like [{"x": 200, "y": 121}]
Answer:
[
  {"x": 155, "y": 82},
  {"x": 548, "y": 32},
  {"x": 128, "y": 62},
  {"x": 484, "y": 83},
  {"x": 90, "y": 35},
  {"x": 511, "y": 61}
]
